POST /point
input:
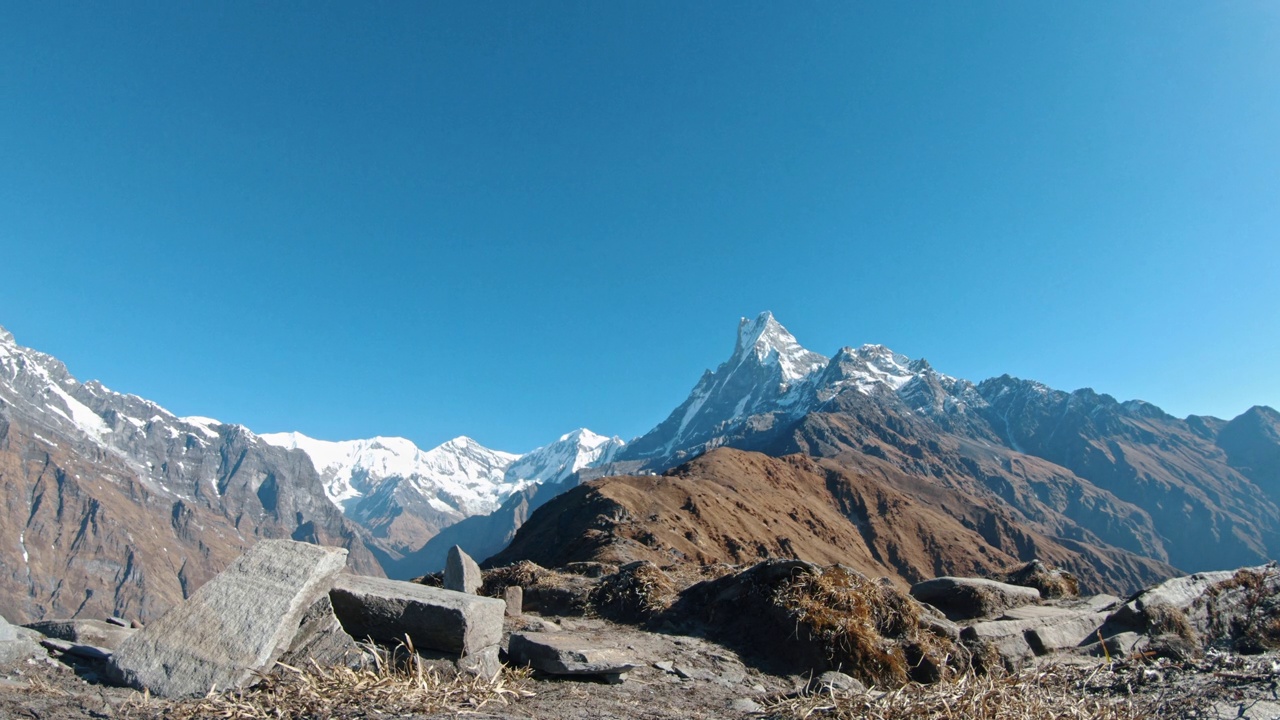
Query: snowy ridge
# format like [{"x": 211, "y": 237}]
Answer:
[
  {"x": 771, "y": 373},
  {"x": 572, "y": 452},
  {"x": 119, "y": 424},
  {"x": 460, "y": 477}
]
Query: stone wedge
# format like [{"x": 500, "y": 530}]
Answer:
[{"x": 237, "y": 623}]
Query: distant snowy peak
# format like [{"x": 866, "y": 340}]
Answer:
[
  {"x": 572, "y": 452},
  {"x": 869, "y": 369},
  {"x": 462, "y": 475},
  {"x": 770, "y": 344}
]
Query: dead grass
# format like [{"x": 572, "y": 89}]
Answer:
[
  {"x": 396, "y": 684},
  {"x": 522, "y": 574},
  {"x": 1166, "y": 619},
  {"x": 1031, "y": 695},
  {"x": 1244, "y": 610},
  {"x": 868, "y": 629},
  {"x": 636, "y": 593}
]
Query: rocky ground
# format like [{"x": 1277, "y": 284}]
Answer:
[
  {"x": 683, "y": 676},
  {"x": 774, "y": 640}
]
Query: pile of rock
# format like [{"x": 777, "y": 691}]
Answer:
[
  {"x": 286, "y": 601},
  {"x": 1012, "y": 626}
]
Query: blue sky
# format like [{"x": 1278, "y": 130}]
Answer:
[{"x": 508, "y": 220}]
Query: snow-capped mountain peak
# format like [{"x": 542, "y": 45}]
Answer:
[
  {"x": 572, "y": 452},
  {"x": 771, "y": 344}
]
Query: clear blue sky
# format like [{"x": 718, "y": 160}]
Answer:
[{"x": 508, "y": 220}]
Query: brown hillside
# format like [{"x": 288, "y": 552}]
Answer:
[
  {"x": 731, "y": 506},
  {"x": 86, "y": 537}
]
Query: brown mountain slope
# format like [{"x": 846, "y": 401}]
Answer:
[
  {"x": 738, "y": 507},
  {"x": 85, "y": 536}
]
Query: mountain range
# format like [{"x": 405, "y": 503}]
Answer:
[
  {"x": 1120, "y": 492},
  {"x": 112, "y": 505}
]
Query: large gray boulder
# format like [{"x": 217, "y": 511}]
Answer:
[
  {"x": 432, "y": 618},
  {"x": 236, "y": 624},
  {"x": 461, "y": 573},
  {"x": 968, "y": 598},
  {"x": 565, "y": 654}
]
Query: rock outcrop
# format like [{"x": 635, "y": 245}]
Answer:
[{"x": 967, "y": 598}]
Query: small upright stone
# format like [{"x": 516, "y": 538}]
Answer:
[
  {"x": 237, "y": 624},
  {"x": 514, "y": 595},
  {"x": 461, "y": 573}
]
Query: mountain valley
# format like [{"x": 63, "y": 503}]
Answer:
[{"x": 114, "y": 506}]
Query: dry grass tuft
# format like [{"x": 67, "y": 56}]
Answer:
[
  {"x": 523, "y": 574},
  {"x": 1244, "y": 610},
  {"x": 1030, "y": 695},
  {"x": 397, "y": 684},
  {"x": 636, "y": 593},
  {"x": 1166, "y": 619},
  {"x": 868, "y": 629},
  {"x": 549, "y": 592}
]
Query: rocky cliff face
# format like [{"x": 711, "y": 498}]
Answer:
[{"x": 112, "y": 505}]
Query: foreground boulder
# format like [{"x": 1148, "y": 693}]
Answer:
[
  {"x": 389, "y": 611},
  {"x": 564, "y": 654},
  {"x": 968, "y": 598},
  {"x": 237, "y": 624},
  {"x": 1229, "y": 610}
]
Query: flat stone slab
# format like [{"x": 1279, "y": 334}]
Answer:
[
  {"x": 565, "y": 654},
  {"x": 237, "y": 623},
  {"x": 1066, "y": 634},
  {"x": 98, "y": 633},
  {"x": 433, "y": 618},
  {"x": 88, "y": 652},
  {"x": 969, "y": 598}
]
